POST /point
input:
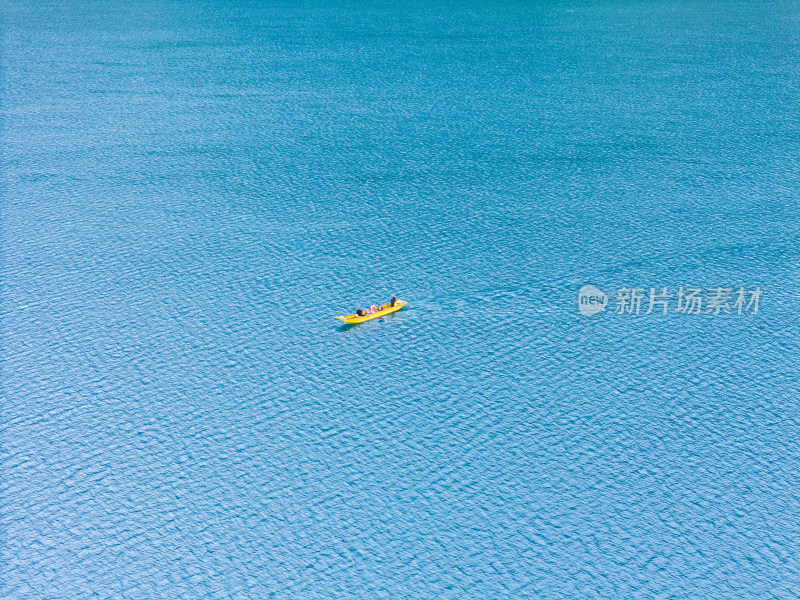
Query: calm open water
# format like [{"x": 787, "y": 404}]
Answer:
[{"x": 191, "y": 192}]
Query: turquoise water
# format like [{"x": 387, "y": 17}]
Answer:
[{"x": 191, "y": 192}]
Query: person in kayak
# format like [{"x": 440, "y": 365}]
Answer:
[
  {"x": 359, "y": 312},
  {"x": 373, "y": 309},
  {"x": 393, "y": 301}
]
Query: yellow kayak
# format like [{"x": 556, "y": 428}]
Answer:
[{"x": 382, "y": 311}]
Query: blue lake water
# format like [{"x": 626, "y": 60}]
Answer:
[{"x": 192, "y": 191}]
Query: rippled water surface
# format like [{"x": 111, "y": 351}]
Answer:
[{"x": 191, "y": 192}]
